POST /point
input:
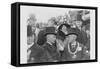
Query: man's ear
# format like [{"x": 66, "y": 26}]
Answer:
[{"x": 47, "y": 36}]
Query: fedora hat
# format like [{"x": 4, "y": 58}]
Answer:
[
  {"x": 50, "y": 30},
  {"x": 42, "y": 35}
]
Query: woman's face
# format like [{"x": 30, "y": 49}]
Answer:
[{"x": 64, "y": 29}]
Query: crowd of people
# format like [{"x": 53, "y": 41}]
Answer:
[{"x": 63, "y": 38}]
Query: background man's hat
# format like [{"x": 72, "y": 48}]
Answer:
[{"x": 50, "y": 30}]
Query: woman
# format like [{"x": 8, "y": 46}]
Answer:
[
  {"x": 74, "y": 50},
  {"x": 62, "y": 31}
]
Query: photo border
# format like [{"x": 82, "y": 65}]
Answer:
[{"x": 18, "y": 4}]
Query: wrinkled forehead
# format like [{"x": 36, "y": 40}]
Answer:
[
  {"x": 51, "y": 35},
  {"x": 73, "y": 36}
]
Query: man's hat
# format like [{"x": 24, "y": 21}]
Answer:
[
  {"x": 42, "y": 35},
  {"x": 50, "y": 30}
]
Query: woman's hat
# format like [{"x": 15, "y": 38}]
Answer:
[
  {"x": 72, "y": 31},
  {"x": 67, "y": 26}
]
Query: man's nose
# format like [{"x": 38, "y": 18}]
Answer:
[{"x": 54, "y": 37}]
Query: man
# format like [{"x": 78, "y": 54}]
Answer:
[
  {"x": 50, "y": 46},
  {"x": 47, "y": 52}
]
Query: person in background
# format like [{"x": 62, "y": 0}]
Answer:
[
  {"x": 31, "y": 37},
  {"x": 87, "y": 29},
  {"x": 82, "y": 38},
  {"x": 37, "y": 54},
  {"x": 30, "y": 43},
  {"x": 37, "y": 30},
  {"x": 53, "y": 23},
  {"x": 79, "y": 25},
  {"x": 31, "y": 29}
]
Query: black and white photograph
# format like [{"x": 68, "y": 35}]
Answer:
[{"x": 57, "y": 34}]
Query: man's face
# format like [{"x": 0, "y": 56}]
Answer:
[
  {"x": 30, "y": 39},
  {"x": 50, "y": 23},
  {"x": 78, "y": 23},
  {"x": 33, "y": 28},
  {"x": 88, "y": 32},
  {"x": 51, "y": 38}
]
